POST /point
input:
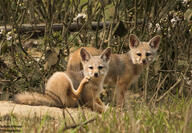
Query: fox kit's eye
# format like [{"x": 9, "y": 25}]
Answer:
[
  {"x": 148, "y": 54},
  {"x": 100, "y": 67},
  {"x": 90, "y": 67},
  {"x": 139, "y": 54}
]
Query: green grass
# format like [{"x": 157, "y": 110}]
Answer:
[{"x": 172, "y": 115}]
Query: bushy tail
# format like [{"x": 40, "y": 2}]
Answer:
[{"x": 33, "y": 98}]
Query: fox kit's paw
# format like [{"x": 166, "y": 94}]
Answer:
[
  {"x": 106, "y": 107},
  {"x": 85, "y": 79}
]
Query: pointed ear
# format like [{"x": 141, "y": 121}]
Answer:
[
  {"x": 85, "y": 56},
  {"x": 154, "y": 42},
  {"x": 106, "y": 54},
  {"x": 133, "y": 41}
]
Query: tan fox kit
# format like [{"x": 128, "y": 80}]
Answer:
[
  {"x": 67, "y": 89},
  {"x": 125, "y": 68}
]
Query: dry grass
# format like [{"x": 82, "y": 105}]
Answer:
[{"x": 172, "y": 114}]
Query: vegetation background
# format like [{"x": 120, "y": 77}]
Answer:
[{"x": 28, "y": 58}]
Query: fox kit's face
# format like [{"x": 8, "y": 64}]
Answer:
[
  {"x": 95, "y": 66},
  {"x": 143, "y": 53}
]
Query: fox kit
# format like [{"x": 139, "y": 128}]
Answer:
[
  {"x": 67, "y": 89},
  {"x": 125, "y": 68}
]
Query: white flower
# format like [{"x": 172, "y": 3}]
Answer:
[
  {"x": 1, "y": 31},
  {"x": 158, "y": 27},
  {"x": 80, "y": 16},
  {"x": 9, "y": 38},
  {"x": 35, "y": 42},
  {"x": 185, "y": 1},
  {"x": 173, "y": 20},
  {"x": 37, "y": 59},
  {"x": 8, "y": 35}
]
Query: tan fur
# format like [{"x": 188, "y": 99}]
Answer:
[
  {"x": 124, "y": 69},
  {"x": 77, "y": 60},
  {"x": 68, "y": 89}
]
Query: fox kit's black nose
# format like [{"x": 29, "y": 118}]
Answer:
[
  {"x": 96, "y": 75},
  {"x": 144, "y": 61}
]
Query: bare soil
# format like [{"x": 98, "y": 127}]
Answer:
[{"x": 19, "y": 110}]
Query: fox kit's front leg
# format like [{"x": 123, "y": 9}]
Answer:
[
  {"x": 121, "y": 88},
  {"x": 80, "y": 87},
  {"x": 98, "y": 100},
  {"x": 97, "y": 107},
  {"x": 104, "y": 107}
]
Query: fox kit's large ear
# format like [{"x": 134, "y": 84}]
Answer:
[
  {"x": 106, "y": 54},
  {"x": 85, "y": 56},
  {"x": 154, "y": 42},
  {"x": 133, "y": 41}
]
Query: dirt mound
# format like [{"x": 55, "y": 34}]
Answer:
[{"x": 8, "y": 107}]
